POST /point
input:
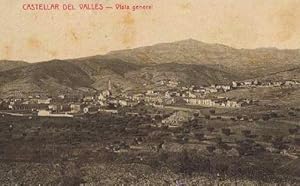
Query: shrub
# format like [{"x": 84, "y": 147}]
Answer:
[
  {"x": 199, "y": 136},
  {"x": 210, "y": 129},
  {"x": 293, "y": 131},
  {"x": 212, "y": 111},
  {"x": 246, "y": 132},
  {"x": 226, "y": 131},
  {"x": 279, "y": 143},
  {"x": 267, "y": 138},
  {"x": 211, "y": 148}
]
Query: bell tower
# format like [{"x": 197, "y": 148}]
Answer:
[{"x": 109, "y": 85}]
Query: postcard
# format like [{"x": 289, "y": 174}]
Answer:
[{"x": 149, "y": 92}]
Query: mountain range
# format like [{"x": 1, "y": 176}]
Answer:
[{"x": 188, "y": 61}]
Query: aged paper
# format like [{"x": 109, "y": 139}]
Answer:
[{"x": 149, "y": 92}]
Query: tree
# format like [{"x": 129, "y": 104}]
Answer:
[
  {"x": 212, "y": 111},
  {"x": 211, "y": 148},
  {"x": 246, "y": 133},
  {"x": 199, "y": 136},
  {"x": 210, "y": 129},
  {"x": 293, "y": 131},
  {"x": 226, "y": 131}
]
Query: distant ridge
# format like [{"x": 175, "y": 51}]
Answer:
[{"x": 188, "y": 61}]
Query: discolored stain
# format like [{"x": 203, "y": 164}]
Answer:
[
  {"x": 7, "y": 51},
  {"x": 128, "y": 19},
  {"x": 129, "y": 30},
  {"x": 103, "y": 49},
  {"x": 187, "y": 6},
  {"x": 74, "y": 35},
  {"x": 53, "y": 53},
  {"x": 128, "y": 38},
  {"x": 34, "y": 43}
]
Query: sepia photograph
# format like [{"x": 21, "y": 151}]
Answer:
[{"x": 150, "y": 92}]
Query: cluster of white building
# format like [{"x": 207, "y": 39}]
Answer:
[
  {"x": 193, "y": 95},
  {"x": 217, "y": 102}
]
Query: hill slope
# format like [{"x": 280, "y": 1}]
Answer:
[
  {"x": 249, "y": 62},
  {"x": 47, "y": 77},
  {"x": 188, "y": 61},
  {"x": 8, "y": 65}
]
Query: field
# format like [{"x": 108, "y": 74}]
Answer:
[{"x": 257, "y": 146}]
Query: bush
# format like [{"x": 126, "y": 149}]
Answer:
[
  {"x": 246, "y": 133},
  {"x": 199, "y": 136},
  {"x": 225, "y": 146},
  {"x": 226, "y": 131},
  {"x": 249, "y": 147},
  {"x": 293, "y": 131},
  {"x": 190, "y": 162},
  {"x": 210, "y": 148},
  {"x": 210, "y": 129},
  {"x": 279, "y": 143},
  {"x": 267, "y": 138},
  {"x": 212, "y": 111}
]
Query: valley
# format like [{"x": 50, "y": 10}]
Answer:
[{"x": 181, "y": 113}]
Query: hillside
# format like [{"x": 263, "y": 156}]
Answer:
[
  {"x": 188, "y": 61},
  {"x": 47, "y": 77},
  {"x": 8, "y": 65},
  {"x": 103, "y": 70},
  {"x": 187, "y": 74},
  {"x": 249, "y": 62}
]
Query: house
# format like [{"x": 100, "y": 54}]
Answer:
[
  {"x": 75, "y": 107},
  {"x": 112, "y": 111},
  {"x": 106, "y": 93},
  {"x": 172, "y": 83},
  {"x": 247, "y": 83},
  {"x": 256, "y": 82},
  {"x": 204, "y": 102},
  {"x": 167, "y": 94},
  {"x": 62, "y": 96},
  {"x": 191, "y": 95},
  {"x": 153, "y": 99},
  {"x": 123, "y": 103},
  {"x": 88, "y": 99},
  {"x": 59, "y": 107},
  {"x": 234, "y": 84},
  {"x": 290, "y": 83},
  {"x": 277, "y": 84},
  {"x": 199, "y": 90},
  {"x": 211, "y": 90},
  {"x": 31, "y": 106},
  {"x": 44, "y": 100},
  {"x": 226, "y": 88},
  {"x": 90, "y": 109},
  {"x": 151, "y": 93},
  {"x": 48, "y": 113},
  {"x": 217, "y": 102},
  {"x": 169, "y": 101},
  {"x": 232, "y": 104},
  {"x": 53, "y": 107},
  {"x": 101, "y": 97},
  {"x": 137, "y": 97},
  {"x": 44, "y": 113}
]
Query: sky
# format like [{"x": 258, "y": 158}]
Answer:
[{"x": 35, "y": 36}]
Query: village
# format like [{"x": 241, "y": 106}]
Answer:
[
  {"x": 106, "y": 101},
  {"x": 184, "y": 129}
]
